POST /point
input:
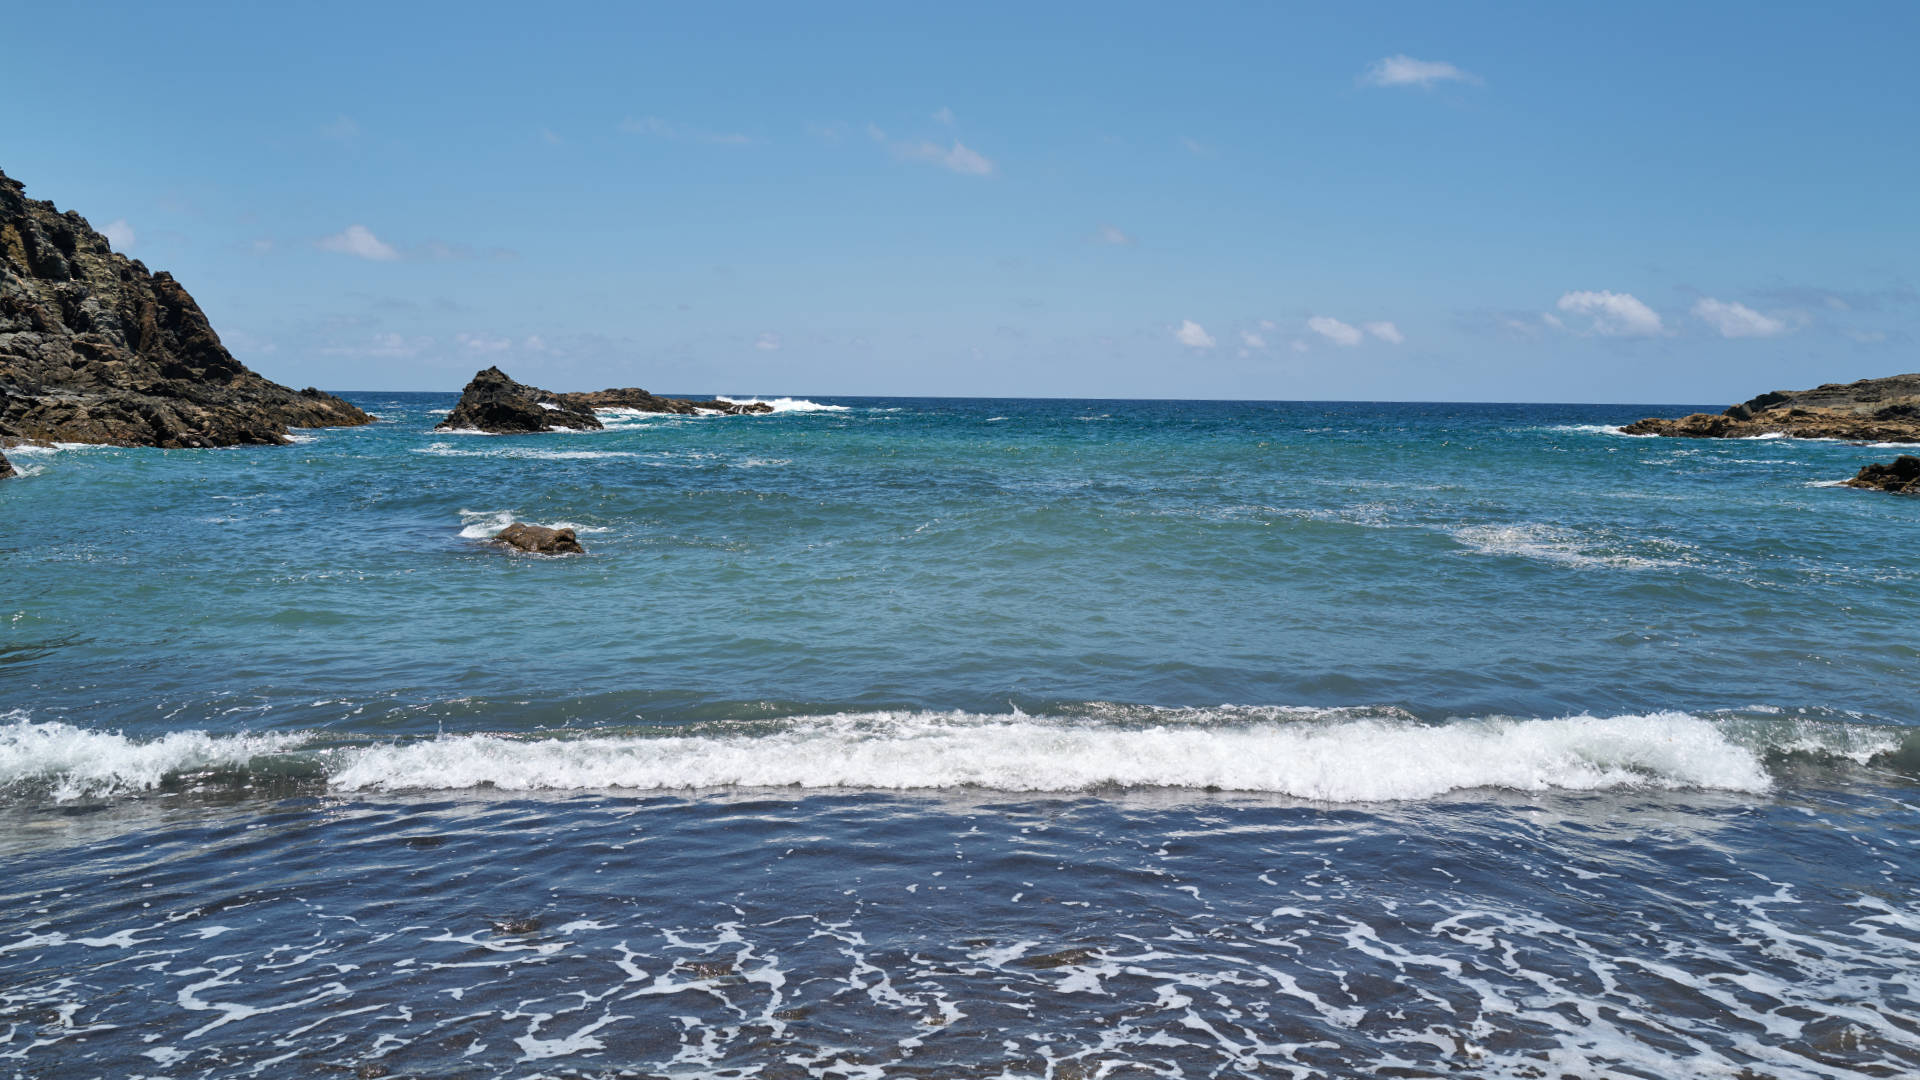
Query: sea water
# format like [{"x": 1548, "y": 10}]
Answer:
[{"x": 963, "y": 738}]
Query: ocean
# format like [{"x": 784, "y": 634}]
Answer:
[{"x": 963, "y": 738}]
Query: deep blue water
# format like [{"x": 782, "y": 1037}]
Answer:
[{"x": 937, "y": 737}]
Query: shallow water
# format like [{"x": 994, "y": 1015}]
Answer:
[{"x": 962, "y": 738}]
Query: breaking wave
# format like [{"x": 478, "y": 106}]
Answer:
[
  {"x": 1330, "y": 756},
  {"x": 784, "y": 404}
]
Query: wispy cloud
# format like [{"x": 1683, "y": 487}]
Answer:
[
  {"x": 1736, "y": 320},
  {"x": 1611, "y": 314},
  {"x": 1111, "y": 234},
  {"x": 341, "y": 128},
  {"x": 1334, "y": 330},
  {"x": 1194, "y": 146},
  {"x": 767, "y": 342},
  {"x": 958, "y": 157},
  {"x": 1193, "y": 335},
  {"x": 381, "y": 346},
  {"x": 1404, "y": 70},
  {"x": 1252, "y": 340},
  {"x": 359, "y": 241},
  {"x": 119, "y": 234},
  {"x": 1386, "y": 332},
  {"x": 944, "y": 116}
]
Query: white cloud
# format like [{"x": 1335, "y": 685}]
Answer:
[
  {"x": 1269, "y": 324},
  {"x": 551, "y": 136},
  {"x": 768, "y": 341},
  {"x": 944, "y": 116},
  {"x": 1111, "y": 234},
  {"x": 359, "y": 241},
  {"x": 1736, "y": 320},
  {"x": 1614, "y": 314},
  {"x": 1193, "y": 335},
  {"x": 1386, "y": 332},
  {"x": 1193, "y": 146},
  {"x": 959, "y": 157},
  {"x": 481, "y": 343},
  {"x": 1252, "y": 340},
  {"x": 119, "y": 234},
  {"x": 387, "y": 346},
  {"x": 1299, "y": 345},
  {"x": 1404, "y": 70},
  {"x": 1334, "y": 330}
]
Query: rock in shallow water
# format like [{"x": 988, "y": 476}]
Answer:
[
  {"x": 6, "y": 467},
  {"x": 95, "y": 349},
  {"x": 540, "y": 540},
  {"x": 496, "y": 403},
  {"x": 1901, "y": 476}
]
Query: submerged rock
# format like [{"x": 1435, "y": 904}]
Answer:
[
  {"x": 95, "y": 349},
  {"x": 1901, "y": 476},
  {"x": 495, "y": 403},
  {"x": 540, "y": 540},
  {"x": 1870, "y": 410}
]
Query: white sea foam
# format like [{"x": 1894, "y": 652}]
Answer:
[
  {"x": 486, "y": 524},
  {"x": 80, "y": 763},
  {"x": 1550, "y": 543},
  {"x": 1337, "y": 757},
  {"x": 525, "y": 453},
  {"x": 1338, "y": 760},
  {"x": 1599, "y": 429},
  {"x": 784, "y": 404}
]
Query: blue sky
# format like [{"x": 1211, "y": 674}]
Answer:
[{"x": 1654, "y": 203}]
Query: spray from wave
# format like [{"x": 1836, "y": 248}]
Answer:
[{"x": 1336, "y": 757}]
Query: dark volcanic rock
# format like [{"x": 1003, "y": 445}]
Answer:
[
  {"x": 1902, "y": 476},
  {"x": 95, "y": 349},
  {"x": 494, "y": 402},
  {"x": 540, "y": 540},
  {"x": 1870, "y": 410},
  {"x": 6, "y": 467}
]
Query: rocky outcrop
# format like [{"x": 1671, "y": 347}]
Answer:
[
  {"x": 1870, "y": 410},
  {"x": 540, "y": 540},
  {"x": 494, "y": 402},
  {"x": 95, "y": 349},
  {"x": 6, "y": 467},
  {"x": 1902, "y": 476}
]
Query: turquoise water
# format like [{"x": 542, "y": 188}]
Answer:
[{"x": 1249, "y": 738}]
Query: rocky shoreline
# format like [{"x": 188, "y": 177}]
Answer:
[
  {"x": 96, "y": 349},
  {"x": 495, "y": 403},
  {"x": 1900, "y": 477},
  {"x": 1869, "y": 410}
]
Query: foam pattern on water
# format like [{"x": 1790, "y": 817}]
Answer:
[{"x": 843, "y": 936}]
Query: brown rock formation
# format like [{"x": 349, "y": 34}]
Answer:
[
  {"x": 540, "y": 540},
  {"x": 493, "y": 402},
  {"x": 95, "y": 349},
  {"x": 1870, "y": 410},
  {"x": 1902, "y": 476}
]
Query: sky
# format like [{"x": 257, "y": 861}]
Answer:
[{"x": 1451, "y": 202}]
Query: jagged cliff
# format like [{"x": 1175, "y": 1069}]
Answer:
[
  {"x": 1870, "y": 410},
  {"x": 95, "y": 349}
]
